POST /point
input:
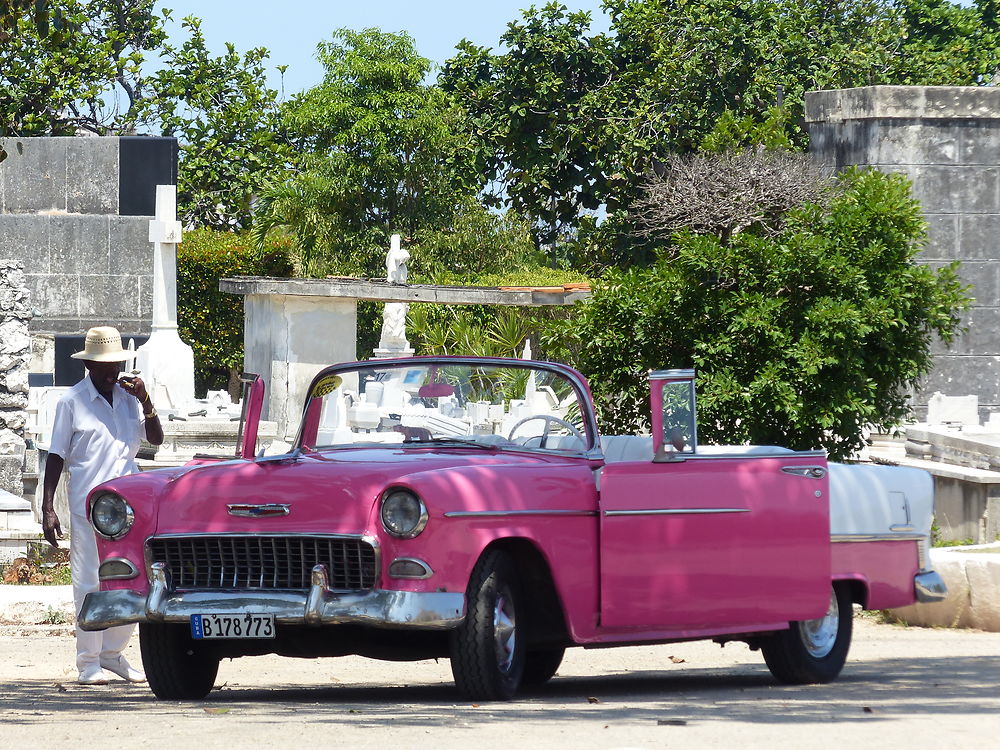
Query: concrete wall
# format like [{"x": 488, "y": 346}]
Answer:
[
  {"x": 946, "y": 139},
  {"x": 75, "y": 212}
]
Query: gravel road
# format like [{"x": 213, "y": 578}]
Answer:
[{"x": 902, "y": 688}]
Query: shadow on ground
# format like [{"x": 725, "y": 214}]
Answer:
[{"x": 875, "y": 690}]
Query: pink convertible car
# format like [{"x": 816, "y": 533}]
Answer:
[{"x": 468, "y": 508}]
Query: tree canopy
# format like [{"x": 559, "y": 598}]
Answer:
[
  {"x": 88, "y": 71},
  {"x": 376, "y": 151},
  {"x": 574, "y": 120},
  {"x": 800, "y": 338}
]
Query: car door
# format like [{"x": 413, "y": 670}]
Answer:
[{"x": 714, "y": 542}]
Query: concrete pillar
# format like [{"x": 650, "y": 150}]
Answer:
[
  {"x": 946, "y": 139},
  {"x": 288, "y": 339}
]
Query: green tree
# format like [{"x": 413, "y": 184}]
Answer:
[
  {"x": 534, "y": 108},
  {"x": 82, "y": 65},
  {"x": 84, "y": 74},
  {"x": 226, "y": 121},
  {"x": 377, "y": 151},
  {"x": 573, "y": 120},
  {"x": 799, "y": 338}
]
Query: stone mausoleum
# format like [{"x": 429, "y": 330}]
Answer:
[{"x": 946, "y": 139}]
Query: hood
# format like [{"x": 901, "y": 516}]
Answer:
[{"x": 326, "y": 492}]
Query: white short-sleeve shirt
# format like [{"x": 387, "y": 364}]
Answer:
[{"x": 97, "y": 441}]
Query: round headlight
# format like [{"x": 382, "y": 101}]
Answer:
[
  {"x": 111, "y": 515},
  {"x": 403, "y": 514}
]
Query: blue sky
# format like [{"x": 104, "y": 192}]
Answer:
[{"x": 290, "y": 29}]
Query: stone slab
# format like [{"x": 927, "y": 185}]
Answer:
[
  {"x": 55, "y": 294},
  {"x": 973, "y": 580},
  {"x": 383, "y": 291},
  {"x": 25, "y": 237},
  {"x": 109, "y": 297},
  {"x": 962, "y": 374},
  {"x": 903, "y": 102},
  {"x": 78, "y": 244},
  {"x": 34, "y": 175},
  {"x": 979, "y": 339},
  {"x": 980, "y": 141},
  {"x": 979, "y": 237},
  {"x": 956, "y": 189},
  {"x": 92, "y": 175},
  {"x": 131, "y": 253}
]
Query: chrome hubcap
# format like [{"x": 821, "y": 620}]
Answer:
[
  {"x": 819, "y": 636},
  {"x": 504, "y": 630}
]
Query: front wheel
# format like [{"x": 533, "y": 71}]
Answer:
[
  {"x": 177, "y": 669},
  {"x": 487, "y": 649},
  {"x": 813, "y": 650}
]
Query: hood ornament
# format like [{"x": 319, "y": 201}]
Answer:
[{"x": 259, "y": 511}]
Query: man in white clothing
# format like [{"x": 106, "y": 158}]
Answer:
[{"x": 95, "y": 435}]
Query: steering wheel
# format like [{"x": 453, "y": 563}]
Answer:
[{"x": 549, "y": 420}]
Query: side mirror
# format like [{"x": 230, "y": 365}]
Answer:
[{"x": 673, "y": 414}]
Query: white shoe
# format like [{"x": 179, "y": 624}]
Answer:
[
  {"x": 92, "y": 674},
  {"x": 123, "y": 669}
]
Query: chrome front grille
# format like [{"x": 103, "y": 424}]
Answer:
[{"x": 264, "y": 562}]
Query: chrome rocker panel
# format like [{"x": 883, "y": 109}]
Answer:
[
  {"x": 929, "y": 587},
  {"x": 317, "y": 606}
]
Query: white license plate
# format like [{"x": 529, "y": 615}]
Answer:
[{"x": 232, "y": 626}]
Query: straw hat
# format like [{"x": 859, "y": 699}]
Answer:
[{"x": 104, "y": 344}]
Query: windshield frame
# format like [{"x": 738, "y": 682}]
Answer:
[{"x": 576, "y": 380}]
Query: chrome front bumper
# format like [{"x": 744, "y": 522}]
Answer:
[
  {"x": 317, "y": 606},
  {"x": 929, "y": 587}
]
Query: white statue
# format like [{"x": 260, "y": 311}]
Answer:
[
  {"x": 392, "y": 342},
  {"x": 395, "y": 261}
]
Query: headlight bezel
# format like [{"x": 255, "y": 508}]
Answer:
[
  {"x": 391, "y": 500},
  {"x": 126, "y": 521}
]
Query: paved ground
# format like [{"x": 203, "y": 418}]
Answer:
[{"x": 902, "y": 687}]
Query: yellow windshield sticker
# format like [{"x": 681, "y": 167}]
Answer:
[{"x": 326, "y": 385}]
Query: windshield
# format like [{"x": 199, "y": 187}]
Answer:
[{"x": 465, "y": 404}]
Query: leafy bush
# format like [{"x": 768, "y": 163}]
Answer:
[
  {"x": 487, "y": 330},
  {"x": 212, "y": 321},
  {"x": 801, "y": 338}
]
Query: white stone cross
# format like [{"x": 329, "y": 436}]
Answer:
[
  {"x": 165, "y": 234},
  {"x": 165, "y": 362}
]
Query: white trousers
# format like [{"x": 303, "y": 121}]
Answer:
[{"x": 83, "y": 564}]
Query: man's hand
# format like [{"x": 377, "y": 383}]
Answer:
[
  {"x": 136, "y": 387},
  {"x": 50, "y": 521},
  {"x": 50, "y": 527}
]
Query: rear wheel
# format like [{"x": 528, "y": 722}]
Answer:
[
  {"x": 813, "y": 650},
  {"x": 177, "y": 669},
  {"x": 487, "y": 649},
  {"x": 540, "y": 665}
]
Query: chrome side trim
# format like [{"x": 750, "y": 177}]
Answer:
[
  {"x": 877, "y": 537},
  {"x": 928, "y": 586},
  {"x": 381, "y": 609},
  {"x": 503, "y": 513},
  {"x": 751, "y": 456},
  {"x": 674, "y": 511},
  {"x": 809, "y": 472}
]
